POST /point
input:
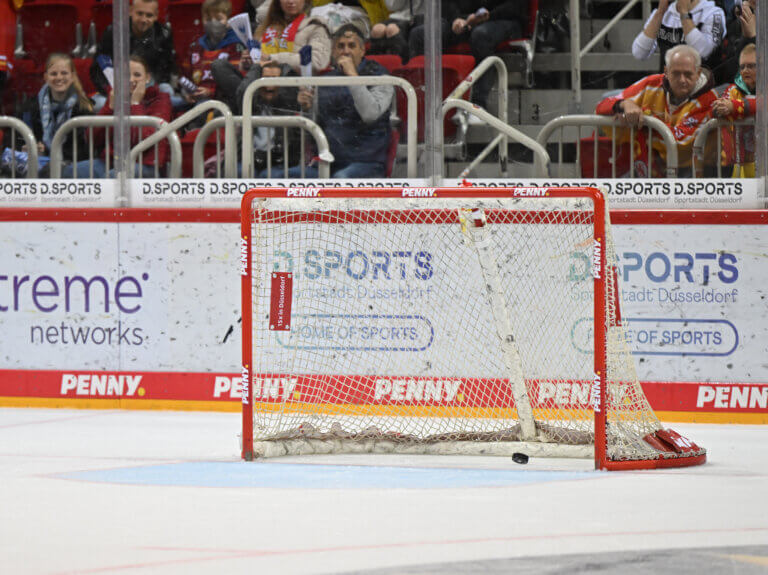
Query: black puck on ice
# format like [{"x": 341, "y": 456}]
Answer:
[{"x": 521, "y": 458}]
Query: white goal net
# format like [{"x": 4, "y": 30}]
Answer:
[{"x": 463, "y": 322}]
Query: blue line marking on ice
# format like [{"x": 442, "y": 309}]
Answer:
[{"x": 311, "y": 476}]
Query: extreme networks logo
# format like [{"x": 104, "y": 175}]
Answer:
[{"x": 76, "y": 295}]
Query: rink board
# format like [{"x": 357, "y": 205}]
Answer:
[{"x": 167, "y": 334}]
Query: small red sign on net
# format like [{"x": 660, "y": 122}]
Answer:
[{"x": 280, "y": 301}]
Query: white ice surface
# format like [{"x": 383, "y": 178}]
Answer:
[{"x": 50, "y": 524}]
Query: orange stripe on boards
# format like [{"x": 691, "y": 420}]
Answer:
[
  {"x": 712, "y": 417},
  {"x": 374, "y": 410},
  {"x": 135, "y": 404}
]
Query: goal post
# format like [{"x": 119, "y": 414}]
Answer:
[{"x": 437, "y": 321}]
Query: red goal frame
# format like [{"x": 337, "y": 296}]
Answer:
[{"x": 599, "y": 305}]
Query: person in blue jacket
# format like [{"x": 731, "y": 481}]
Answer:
[{"x": 355, "y": 119}]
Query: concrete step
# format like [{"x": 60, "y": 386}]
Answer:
[{"x": 596, "y": 62}]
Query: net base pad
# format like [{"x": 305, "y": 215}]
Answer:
[{"x": 283, "y": 447}]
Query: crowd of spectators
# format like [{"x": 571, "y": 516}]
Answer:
[{"x": 701, "y": 46}]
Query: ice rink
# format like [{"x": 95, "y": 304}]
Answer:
[{"x": 165, "y": 492}]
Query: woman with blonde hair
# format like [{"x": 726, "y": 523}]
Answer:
[{"x": 61, "y": 98}]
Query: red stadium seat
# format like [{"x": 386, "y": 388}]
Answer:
[
  {"x": 48, "y": 26},
  {"x": 82, "y": 66},
  {"x": 187, "y": 26},
  {"x": 390, "y": 61},
  {"x": 101, "y": 16},
  {"x": 27, "y": 79},
  {"x": 188, "y": 144},
  {"x": 525, "y": 44},
  {"x": 455, "y": 69},
  {"x": 605, "y": 161}
]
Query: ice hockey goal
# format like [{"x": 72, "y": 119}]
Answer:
[{"x": 423, "y": 320}]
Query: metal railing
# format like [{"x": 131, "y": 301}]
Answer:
[
  {"x": 325, "y": 81},
  {"x": 540, "y": 156},
  {"x": 285, "y": 122},
  {"x": 577, "y": 53},
  {"x": 702, "y": 135},
  {"x": 230, "y": 140},
  {"x": 594, "y": 121},
  {"x": 17, "y": 125},
  {"x": 463, "y": 87},
  {"x": 106, "y": 122}
]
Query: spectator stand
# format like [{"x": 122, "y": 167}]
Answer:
[
  {"x": 107, "y": 122},
  {"x": 577, "y": 57},
  {"x": 455, "y": 69},
  {"x": 202, "y": 109},
  {"x": 526, "y": 45},
  {"x": 201, "y": 146},
  {"x": 610, "y": 163},
  {"x": 320, "y": 81},
  {"x": 50, "y": 26},
  {"x": 540, "y": 156},
  {"x": 458, "y": 148}
]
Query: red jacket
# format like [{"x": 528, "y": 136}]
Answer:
[
  {"x": 202, "y": 55},
  {"x": 652, "y": 95},
  {"x": 738, "y": 142},
  {"x": 157, "y": 104}
]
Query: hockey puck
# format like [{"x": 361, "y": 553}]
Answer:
[{"x": 521, "y": 458}]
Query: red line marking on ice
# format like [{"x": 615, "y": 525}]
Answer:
[
  {"x": 56, "y": 420},
  {"x": 242, "y": 553}
]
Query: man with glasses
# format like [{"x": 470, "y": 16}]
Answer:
[{"x": 681, "y": 97}]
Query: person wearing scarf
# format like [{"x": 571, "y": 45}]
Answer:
[
  {"x": 61, "y": 98},
  {"x": 738, "y": 103},
  {"x": 287, "y": 28}
]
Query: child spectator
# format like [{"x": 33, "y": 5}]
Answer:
[
  {"x": 218, "y": 43},
  {"x": 738, "y": 103},
  {"x": 60, "y": 99}
]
